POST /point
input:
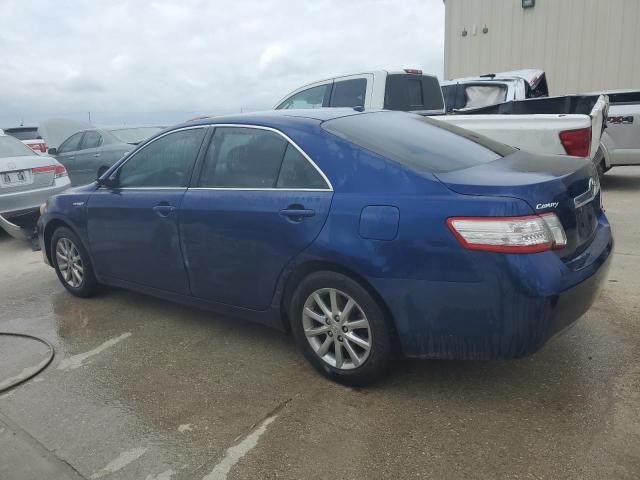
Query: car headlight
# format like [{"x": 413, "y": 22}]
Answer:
[{"x": 43, "y": 208}]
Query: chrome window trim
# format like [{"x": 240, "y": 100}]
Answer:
[
  {"x": 263, "y": 189},
  {"x": 288, "y": 139},
  {"x": 239, "y": 125}
]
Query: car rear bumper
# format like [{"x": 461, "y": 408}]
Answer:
[
  {"x": 17, "y": 203},
  {"x": 520, "y": 303}
]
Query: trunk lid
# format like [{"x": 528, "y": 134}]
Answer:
[
  {"x": 566, "y": 186},
  {"x": 29, "y": 179}
]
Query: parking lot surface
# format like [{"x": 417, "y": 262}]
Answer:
[{"x": 145, "y": 389}]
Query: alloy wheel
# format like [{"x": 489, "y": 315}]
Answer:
[
  {"x": 337, "y": 328},
  {"x": 69, "y": 262}
]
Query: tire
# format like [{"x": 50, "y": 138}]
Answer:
[
  {"x": 66, "y": 244},
  {"x": 346, "y": 336}
]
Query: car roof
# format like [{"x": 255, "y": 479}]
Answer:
[{"x": 270, "y": 117}]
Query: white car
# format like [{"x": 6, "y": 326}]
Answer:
[
  {"x": 30, "y": 136},
  {"x": 569, "y": 125},
  {"x": 26, "y": 181}
]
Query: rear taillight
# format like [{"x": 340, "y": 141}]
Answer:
[
  {"x": 57, "y": 170},
  {"x": 526, "y": 234},
  {"x": 576, "y": 142},
  {"x": 60, "y": 171}
]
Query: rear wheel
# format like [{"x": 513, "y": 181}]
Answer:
[
  {"x": 72, "y": 264},
  {"x": 340, "y": 328}
]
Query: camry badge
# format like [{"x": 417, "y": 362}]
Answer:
[{"x": 540, "y": 206}]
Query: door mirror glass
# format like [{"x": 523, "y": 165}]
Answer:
[{"x": 52, "y": 151}]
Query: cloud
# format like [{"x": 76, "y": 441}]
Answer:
[{"x": 135, "y": 62}]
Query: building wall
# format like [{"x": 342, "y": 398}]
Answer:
[{"x": 583, "y": 45}]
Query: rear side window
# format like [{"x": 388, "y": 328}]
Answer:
[
  {"x": 420, "y": 143},
  {"x": 91, "y": 139},
  {"x": 243, "y": 158},
  {"x": 408, "y": 92},
  {"x": 297, "y": 172},
  {"x": 165, "y": 162},
  {"x": 349, "y": 93},
  {"x": 313, "y": 97}
]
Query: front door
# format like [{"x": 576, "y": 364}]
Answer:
[
  {"x": 87, "y": 159},
  {"x": 66, "y": 155},
  {"x": 258, "y": 203},
  {"x": 133, "y": 225}
]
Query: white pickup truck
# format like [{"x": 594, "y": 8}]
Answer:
[
  {"x": 569, "y": 125},
  {"x": 620, "y": 142}
]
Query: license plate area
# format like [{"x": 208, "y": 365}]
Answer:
[{"x": 16, "y": 178}]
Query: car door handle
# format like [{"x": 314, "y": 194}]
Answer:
[
  {"x": 71, "y": 158},
  {"x": 96, "y": 154},
  {"x": 164, "y": 210},
  {"x": 297, "y": 214}
]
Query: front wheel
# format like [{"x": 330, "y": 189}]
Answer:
[
  {"x": 72, "y": 263},
  {"x": 341, "y": 328}
]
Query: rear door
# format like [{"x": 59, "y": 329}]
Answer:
[
  {"x": 259, "y": 202},
  {"x": 133, "y": 226},
  {"x": 88, "y": 159}
]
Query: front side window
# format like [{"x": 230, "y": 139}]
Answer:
[
  {"x": 242, "y": 157},
  {"x": 313, "y": 97},
  {"x": 349, "y": 93},
  {"x": 165, "y": 162},
  {"x": 92, "y": 139},
  {"x": 72, "y": 143}
]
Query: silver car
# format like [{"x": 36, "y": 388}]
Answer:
[{"x": 26, "y": 181}]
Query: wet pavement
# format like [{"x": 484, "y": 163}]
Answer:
[{"x": 145, "y": 389}]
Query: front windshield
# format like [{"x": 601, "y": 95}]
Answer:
[
  {"x": 10, "y": 147},
  {"x": 134, "y": 135}
]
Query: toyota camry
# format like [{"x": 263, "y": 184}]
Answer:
[{"x": 362, "y": 233}]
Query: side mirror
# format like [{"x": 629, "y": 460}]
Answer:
[{"x": 52, "y": 151}]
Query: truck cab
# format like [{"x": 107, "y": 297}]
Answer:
[{"x": 405, "y": 90}]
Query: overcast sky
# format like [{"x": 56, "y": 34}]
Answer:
[{"x": 135, "y": 62}]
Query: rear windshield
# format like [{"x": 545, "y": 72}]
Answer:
[
  {"x": 408, "y": 92},
  {"x": 418, "y": 142},
  {"x": 24, "y": 133},
  {"x": 10, "y": 147}
]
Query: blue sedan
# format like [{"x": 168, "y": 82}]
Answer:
[{"x": 363, "y": 233}]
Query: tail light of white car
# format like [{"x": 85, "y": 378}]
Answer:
[
  {"x": 576, "y": 142},
  {"x": 38, "y": 147},
  {"x": 525, "y": 234},
  {"x": 57, "y": 170}
]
